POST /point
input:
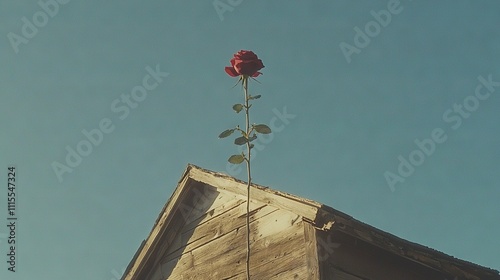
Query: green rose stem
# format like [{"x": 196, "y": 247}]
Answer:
[
  {"x": 247, "y": 114},
  {"x": 248, "y": 135}
]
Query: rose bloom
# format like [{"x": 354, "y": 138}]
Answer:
[{"x": 244, "y": 63}]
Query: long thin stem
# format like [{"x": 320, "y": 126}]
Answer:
[{"x": 247, "y": 109}]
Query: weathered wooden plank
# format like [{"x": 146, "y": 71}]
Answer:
[
  {"x": 201, "y": 198},
  {"x": 213, "y": 212},
  {"x": 311, "y": 248},
  {"x": 228, "y": 252},
  {"x": 205, "y": 233},
  {"x": 297, "y": 272},
  {"x": 228, "y": 221},
  {"x": 238, "y": 226},
  {"x": 303, "y": 207},
  {"x": 276, "y": 258},
  {"x": 289, "y": 267}
]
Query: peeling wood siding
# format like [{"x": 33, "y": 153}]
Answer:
[{"x": 211, "y": 244}]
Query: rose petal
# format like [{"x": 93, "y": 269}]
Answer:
[{"x": 231, "y": 72}]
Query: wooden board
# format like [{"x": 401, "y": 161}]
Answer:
[{"x": 216, "y": 247}]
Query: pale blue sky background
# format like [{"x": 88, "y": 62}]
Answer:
[{"x": 352, "y": 120}]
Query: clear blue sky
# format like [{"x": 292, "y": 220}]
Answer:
[{"x": 363, "y": 88}]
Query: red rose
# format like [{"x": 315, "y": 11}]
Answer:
[{"x": 245, "y": 63}]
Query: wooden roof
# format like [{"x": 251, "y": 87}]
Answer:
[{"x": 321, "y": 216}]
